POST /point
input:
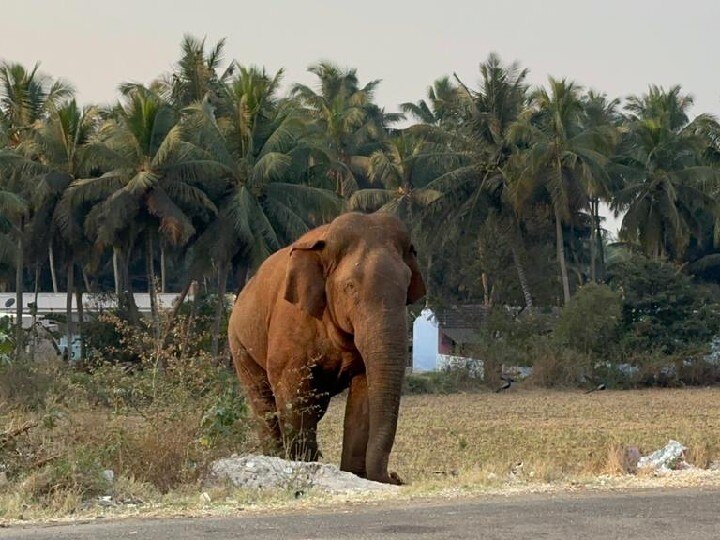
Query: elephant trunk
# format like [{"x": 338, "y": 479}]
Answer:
[{"x": 383, "y": 346}]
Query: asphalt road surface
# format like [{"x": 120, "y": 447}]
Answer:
[{"x": 684, "y": 513}]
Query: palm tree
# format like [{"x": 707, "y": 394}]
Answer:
[
  {"x": 441, "y": 109},
  {"x": 398, "y": 168},
  {"x": 351, "y": 125},
  {"x": 561, "y": 159},
  {"x": 480, "y": 150},
  {"x": 254, "y": 142},
  {"x": 50, "y": 158},
  {"x": 13, "y": 210},
  {"x": 151, "y": 185},
  {"x": 668, "y": 189},
  {"x": 25, "y": 98},
  {"x": 197, "y": 74},
  {"x": 601, "y": 115}
]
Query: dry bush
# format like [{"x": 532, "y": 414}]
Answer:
[{"x": 555, "y": 367}]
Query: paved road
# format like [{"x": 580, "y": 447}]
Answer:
[{"x": 687, "y": 513}]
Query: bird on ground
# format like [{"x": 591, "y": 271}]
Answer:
[
  {"x": 507, "y": 384},
  {"x": 598, "y": 388}
]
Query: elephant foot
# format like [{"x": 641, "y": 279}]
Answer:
[
  {"x": 395, "y": 479},
  {"x": 390, "y": 478}
]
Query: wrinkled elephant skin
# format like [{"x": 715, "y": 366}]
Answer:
[{"x": 326, "y": 314}]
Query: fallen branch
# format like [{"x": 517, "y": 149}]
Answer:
[{"x": 13, "y": 433}]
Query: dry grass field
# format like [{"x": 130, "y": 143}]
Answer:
[
  {"x": 447, "y": 445},
  {"x": 477, "y": 438}
]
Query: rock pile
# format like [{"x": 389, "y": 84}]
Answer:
[{"x": 257, "y": 472}]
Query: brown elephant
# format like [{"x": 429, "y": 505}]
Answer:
[{"x": 326, "y": 314}]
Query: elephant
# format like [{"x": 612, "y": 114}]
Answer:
[{"x": 326, "y": 314}]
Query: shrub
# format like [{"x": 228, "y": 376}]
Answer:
[
  {"x": 589, "y": 322},
  {"x": 662, "y": 309}
]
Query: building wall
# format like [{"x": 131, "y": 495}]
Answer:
[{"x": 426, "y": 341}]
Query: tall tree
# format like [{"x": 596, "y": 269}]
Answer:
[
  {"x": 351, "y": 125},
  {"x": 152, "y": 183},
  {"x": 25, "y": 98},
  {"x": 561, "y": 160},
  {"x": 254, "y": 143},
  {"x": 669, "y": 187}
]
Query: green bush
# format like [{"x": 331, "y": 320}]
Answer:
[
  {"x": 663, "y": 309},
  {"x": 589, "y": 322}
]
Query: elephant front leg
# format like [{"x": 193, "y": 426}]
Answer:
[
  {"x": 356, "y": 428},
  {"x": 300, "y": 408}
]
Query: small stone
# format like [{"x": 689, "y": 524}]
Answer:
[
  {"x": 105, "y": 500},
  {"x": 631, "y": 456},
  {"x": 3, "y": 479},
  {"x": 108, "y": 475}
]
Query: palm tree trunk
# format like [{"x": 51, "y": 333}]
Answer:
[
  {"x": 486, "y": 292},
  {"x": 219, "y": 308},
  {"x": 195, "y": 286},
  {"x": 151, "y": 285},
  {"x": 116, "y": 271},
  {"x": 593, "y": 213},
  {"x": 599, "y": 240},
  {"x": 162, "y": 268},
  {"x": 81, "y": 314},
  {"x": 33, "y": 311},
  {"x": 561, "y": 257},
  {"x": 86, "y": 280},
  {"x": 522, "y": 277},
  {"x": 19, "y": 341},
  {"x": 126, "y": 299},
  {"x": 68, "y": 307},
  {"x": 172, "y": 318},
  {"x": 51, "y": 261}
]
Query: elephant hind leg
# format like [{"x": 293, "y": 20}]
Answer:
[
  {"x": 356, "y": 429},
  {"x": 262, "y": 402}
]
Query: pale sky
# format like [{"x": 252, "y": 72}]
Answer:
[{"x": 614, "y": 46}]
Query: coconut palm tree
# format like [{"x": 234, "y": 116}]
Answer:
[
  {"x": 561, "y": 160},
  {"x": 254, "y": 142},
  {"x": 351, "y": 125},
  {"x": 479, "y": 153},
  {"x": 398, "y": 168},
  {"x": 197, "y": 75},
  {"x": 669, "y": 188},
  {"x": 441, "y": 109},
  {"x": 151, "y": 185},
  {"x": 25, "y": 98},
  {"x": 50, "y": 158}
]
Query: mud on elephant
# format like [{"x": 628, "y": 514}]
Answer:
[{"x": 326, "y": 314}]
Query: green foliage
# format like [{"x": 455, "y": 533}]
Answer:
[
  {"x": 589, "y": 322},
  {"x": 7, "y": 345},
  {"x": 663, "y": 309}
]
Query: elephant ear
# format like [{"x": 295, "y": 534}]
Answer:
[
  {"x": 305, "y": 279},
  {"x": 416, "y": 289}
]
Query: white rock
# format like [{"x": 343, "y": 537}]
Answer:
[
  {"x": 664, "y": 460},
  {"x": 108, "y": 475},
  {"x": 274, "y": 472}
]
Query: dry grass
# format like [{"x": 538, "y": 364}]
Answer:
[
  {"x": 479, "y": 438},
  {"x": 447, "y": 445}
]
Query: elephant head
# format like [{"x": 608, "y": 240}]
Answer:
[{"x": 357, "y": 274}]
